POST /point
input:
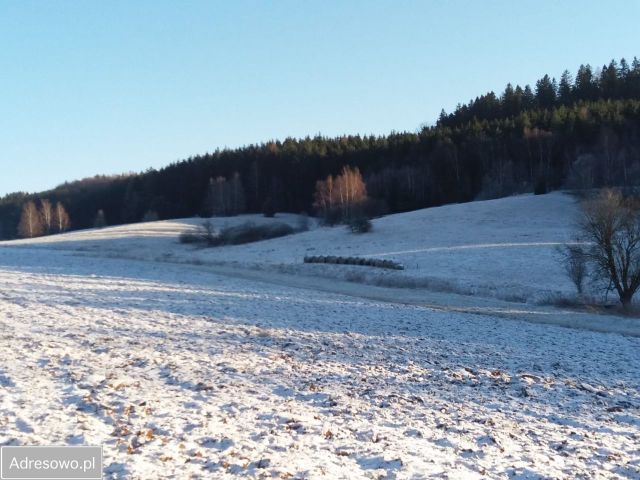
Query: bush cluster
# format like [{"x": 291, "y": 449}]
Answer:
[
  {"x": 245, "y": 233},
  {"x": 366, "y": 262}
]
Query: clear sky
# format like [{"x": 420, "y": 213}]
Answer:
[{"x": 115, "y": 86}]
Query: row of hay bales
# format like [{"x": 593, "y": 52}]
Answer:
[{"x": 365, "y": 262}]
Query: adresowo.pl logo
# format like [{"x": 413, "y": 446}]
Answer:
[{"x": 51, "y": 463}]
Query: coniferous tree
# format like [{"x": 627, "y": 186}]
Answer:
[
  {"x": 565, "y": 88},
  {"x": 633, "y": 82},
  {"x": 511, "y": 100},
  {"x": 528, "y": 98},
  {"x": 609, "y": 80},
  {"x": 623, "y": 70},
  {"x": 585, "y": 87},
  {"x": 237, "y": 195},
  {"x": 545, "y": 92},
  {"x": 132, "y": 204}
]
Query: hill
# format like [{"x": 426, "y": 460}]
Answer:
[
  {"x": 504, "y": 248},
  {"x": 578, "y": 133}
]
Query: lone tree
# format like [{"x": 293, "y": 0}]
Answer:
[
  {"x": 611, "y": 224},
  {"x": 30, "y": 222}
]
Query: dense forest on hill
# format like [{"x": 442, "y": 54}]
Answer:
[{"x": 575, "y": 133}]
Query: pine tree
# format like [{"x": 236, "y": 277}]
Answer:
[
  {"x": 609, "y": 80},
  {"x": 623, "y": 70},
  {"x": 443, "y": 117},
  {"x": 633, "y": 79},
  {"x": 511, "y": 100},
  {"x": 528, "y": 98},
  {"x": 565, "y": 88},
  {"x": 585, "y": 87},
  {"x": 545, "y": 92}
]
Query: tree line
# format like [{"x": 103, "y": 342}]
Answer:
[
  {"x": 43, "y": 220},
  {"x": 577, "y": 132},
  {"x": 617, "y": 80}
]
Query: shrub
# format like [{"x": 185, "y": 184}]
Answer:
[
  {"x": 208, "y": 233},
  {"x": 189, "y": 237},
  {"x": 249, "y": 232},
  {"x": 204, "y": 234},
  {"x": 236, "y": 235},
  {"x": 575, "y": 265},
  {"x": 360, "y": 224}
]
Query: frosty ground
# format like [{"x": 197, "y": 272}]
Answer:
[
  {"x": 181, "y": 372},
  {"x": 505, "y": 248}
]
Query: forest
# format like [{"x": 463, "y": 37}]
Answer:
[{"x": 576, "y": 132}]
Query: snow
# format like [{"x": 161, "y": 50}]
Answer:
[
  {"x": 182, "y": 373},
  {"x": 184, "y": 363},
  {"x": 498, "y": 257},
  {"x": 505, "y": 248}
]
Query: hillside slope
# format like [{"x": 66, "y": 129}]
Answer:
[{"x": 505, "y": 248}]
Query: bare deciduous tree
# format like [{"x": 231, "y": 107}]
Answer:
[
  {"x": 324, "y": 195},
  {"x": 100, "y": 220},
  {"x": 343, "y": 192},
  {"x": 225, "y": 197},
  {"x": 611, "y": 224},
  {"x": 46, "y": 212},
  {"x": 61, "y": 218},
  {"x": 351, "y": 190},
  {"x": 30, "y": 222},
  {"x": 575, "y": 265}
]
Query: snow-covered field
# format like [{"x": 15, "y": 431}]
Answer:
[
  {"x": 505, "y": 248},
  {"x": 183, "y": 368},
  {"x": 181, "y": 373}
]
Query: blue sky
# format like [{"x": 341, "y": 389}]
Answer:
[{"x": 116, "y": 86}]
